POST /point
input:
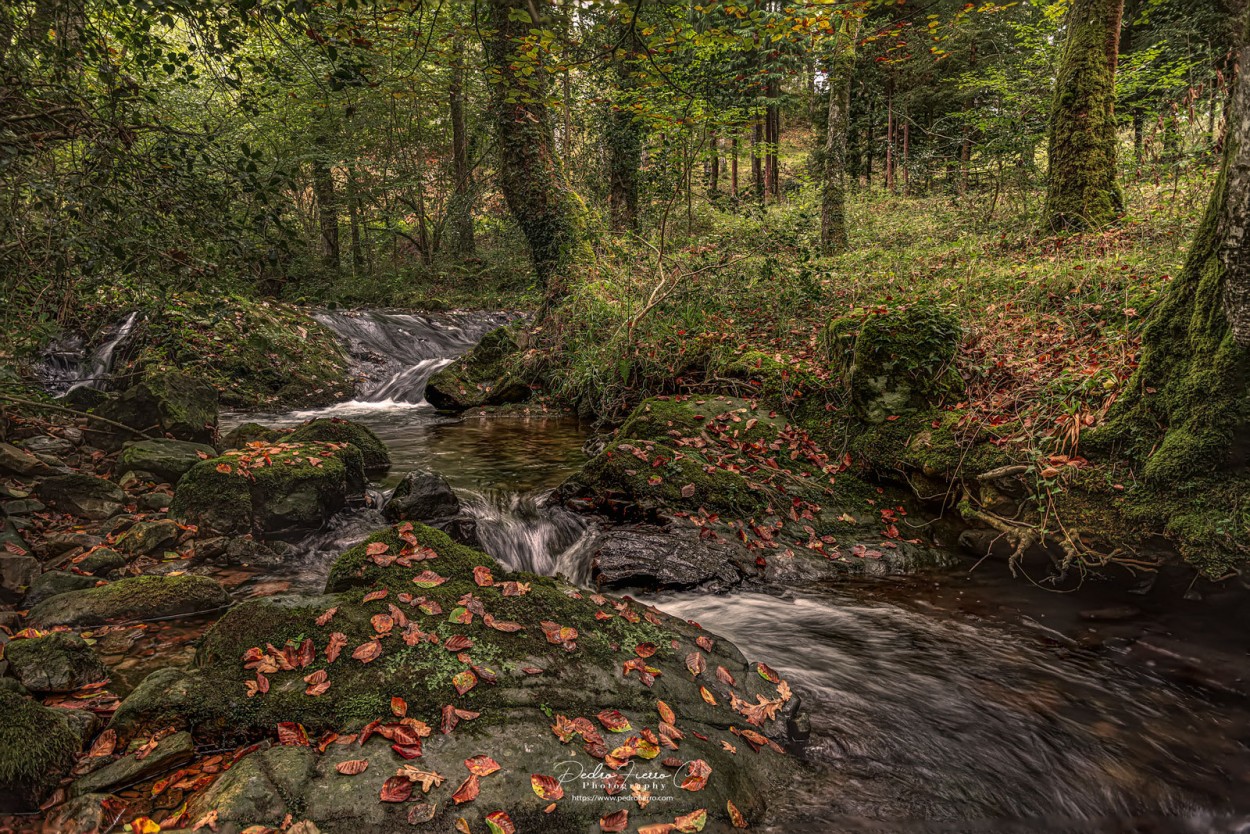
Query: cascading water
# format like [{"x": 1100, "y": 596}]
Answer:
[
  {"x": 66, "y": 367},
  {"x": 524, "y": 535}
]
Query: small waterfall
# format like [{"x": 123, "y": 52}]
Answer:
[
  {"x": 397, "y": 353},
  {"x": 63, "y": 368},
  {"x": 524, "y": 535}
]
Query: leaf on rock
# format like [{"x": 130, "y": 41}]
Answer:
[
  {"x": 421, "y": 813},
  {"x": 338, "y": 641},
  {"x": 482, "y": 576},
  {"x": 382, "y": 624},
  {"x": 368, "y": 652},
  {"x": 468, "y": 790},
  {"x": 500, "y": 823},
  {"x": 704, "y": 642},
  {"x": 767, "y": 673},
  {"x": 645, "y": 649},
  {"x": 697, "y": 774},
  {"x": 373, "y": 596},
  {"x": 352, "y": 767},
  {"x": 614, "y": 721},
  {"x": 723, "y": 675},
  {"x": 458, "y": 643},
  {"x": 691, "y": 823},
  {"x": 616, "y": 821},
  {"x": 399, "y": 707},
  {"x": 707, "y": 695},
  {"x": 546, "y": 787},
  {"x": 735, "y": 816},
  {"x": 425, "y": 778},
  {"x": 695, "y": 663},
  {"x": 327, "y": 615},
  {"x": 481, "y": 765},
  {"x": 396, "y": 789},
  {"x": 464, "y": 681},
  {"x": 291, "y": 734},
  {"x": 501, "y": 625},
  {"x": 666, "y": 712},
  {"x": 428, "y": 579}
]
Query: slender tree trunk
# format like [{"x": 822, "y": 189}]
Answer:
[
  {"x": 833, "y": 231},
  {"x": 461, "y": 208},
  {"x": 772, "y": 142},
  {"x": 889, "y": 136},
  {"x": 713, "y": 172},
  {"x": 733, "y": 166},
  {"x": 1082, "y": 192},
  {"x": 550, "y": 214},
  {"x": 327, "y": 204},
  {"x": 757, "y": 159},
  {"x": 353, "y": 214},
  {"x": 906, "y": 157}
]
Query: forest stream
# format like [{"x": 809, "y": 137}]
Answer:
[{"x": 922, "y": 706}]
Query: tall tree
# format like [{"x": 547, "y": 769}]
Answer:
[
  {"x": 1187, "y": 410},
  {"x": 624, "y": 134},
  {"x": 460, "y": 209},
  {"x": 327, "y": 203},
  {"x": 1082, "y": 192},
  {"x": 833, "y": 232},
  {"x": 550, "y": 214}
]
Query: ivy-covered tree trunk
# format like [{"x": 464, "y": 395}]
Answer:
[
  {"x": 624, "y": 144},
  {"x": 1081, "y": 190},
  {"x": 833, "y": 232},
  {"x": 1187, "y": 411},
  {"x": 550, "y": 214},
  {"x": 460, "y": 211}
]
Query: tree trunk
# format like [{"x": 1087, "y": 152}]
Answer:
[
  {"x": 1186, "y": 413},
  {"x": 833, "y": 231},
  {"x": 353, "y": 214},
  {"x": 772, "y": 142},
  {"x": 461, "y": 208},
  {"x": 327, "y": 205},
  {"x": 713, "y": 171},
  {"x": 733, "y": 166},
  {"x": 757, "y": 159},
  {"x": 550, "y": 215},
  {"x": 624, "y": 141},
  {"x": 1082, "y": 192}
]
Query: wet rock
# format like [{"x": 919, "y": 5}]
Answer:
[
  {"x": 58, "y": 542},
  {"x": 43, "y": 444},
  {"x": 85, "y": 496},
  {"x": 148, "y": 537},
  {"x": 102, "y": 562},
  {"x": 157, "y": 502},
  {"x": 59, "y": 662},
  {"x": 171, "y": 752},
  {"x": 18, "y": 573},
  {"x": 37, "y": 748},
  {"x": 480, "y": 377},
  {"x": 167, "y": 460},
  {"x": 239, "y": 550},
  {"x": 25, "y": 506},
  {"x": 1111, "y": 613},
  {"x": 17, "y": 461},
  {"x": 133, "y": 598},
  {"x": 241, "y": 435},
  {"x": 87, "y": 814},
  {"x": 286, "y": 490},
  {"x": 653, "y": 558},
  {"x": 422, "y": 496},
  {"x": 376, "y": 459},
  {"x": 54, "y": 582},
  {"x": 580, "y": 675},
  {"x": 171, "y": 403}
]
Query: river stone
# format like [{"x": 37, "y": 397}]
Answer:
[
  {"x": 37, "y": 748},
  {"x": 58, "y": 662},
  {"x": 170, "y": 752},
  {"x": 55, "y": 543},
  {"x": 148, "y": 537},
  {"x": 133, "y": 598},
  {"x": 637, "y": 555},
  {"x": 87, "y": 814},
  {"x": 422, "y": 496},
  {"x": 43, "y": 444},
  {"x": 246, "y": 433},
  {"x": 24, "y": 506},
  {"x": 20, "y": 462},
  {"x": 578, "y": 680},
  {"x": 169, "y": 402},
  {"x": 18, "y": 573},
  {"x": 55, "y": 582},
  {"x": 287, "y": 489},
  {"x": 376, "y": 459},
  {"x": 102, "y": 562},
  {"x": 480, "y": 377},
  {"x": 85, "y": 496},
  {"x": 168, "y": 460}
]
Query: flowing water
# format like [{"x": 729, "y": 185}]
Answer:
[
  {"x": 67, "y": 365},
  {"x": 924, "y": 718}
]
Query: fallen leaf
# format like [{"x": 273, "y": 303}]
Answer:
[
  {"x": 468, "y": 790},
  {"x": 698, "y": 773},
  {"x": 500, "y": 823},
  {"x": 464, "y": 681},
  {"x": 481, "y": 765},
  {"x": 338, "y": 641},
  {"x": 399, "y": 707},
  {"x": 352, "y": 767},
  {"x": 396, "y": 789},
  {"x": 614, "y": 721},
  {"x": 735, "y": 816},
  {"x": 482, "y": 576},
  {"x": 616, "y": 821},
  {"x": 546, "y": 787},
  {"x": 368, "y": 652},
  {"x": 291, "y": 734},
  {"x": 695, "y": 663},
  {"x": 422, "y": 812}
]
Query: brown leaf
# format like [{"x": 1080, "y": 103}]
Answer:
[
  {"x": 735, "y": 816},
  {"x": 382, "y": 623},
  {"x": 481, "y": 765},
  {"x": 482, "y": 576},
  {"x": 368, "y": 652},
  {"x": 396, "y": 789},
  {"x": 327, "y": 615},
  {"x": 338, "y": 641},
  {"x": 352, "y": 767},
  {"x": 458, "y": 643},
  {"x": 399, "y": 707},
  {"x": 546, "y": 787},
  {"x": 695, "y": 663},
  {"x": 468, "y": 790},
  {"x": 697, "y": 775},
  {"x": 291, "y": 734},
  {"x": 616, "y": 821}
]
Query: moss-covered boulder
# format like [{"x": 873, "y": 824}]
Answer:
[
  {"x": 166, "y": 402},
  {"x": 166, "y": 460},
  {"x": 246, "y": 433},
  {"x": 54, "y": 582},
  {"x": 897, "y": 362},
  {"x": 37, "y": 748},
  {"x": 417, "y": 626},
  {"x": 133, "y": 598},
  {"x": 102, "y": 562},
  {"x": 286, "y": 489},
  {"x": 85, "y": 496},
  {"x": 483, "y": 376},
  {"x": 377, "y": 460},
  {"x": 146, "y": 537},
  {"x": 789, "y": 386},
  {"x": 57, "y": 662}
]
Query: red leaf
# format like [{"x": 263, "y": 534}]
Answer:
[
  {"x": 327, "y": 615},
  {"x": 352, "y": 767},
  {"x": 458, "y": 643},
  {"x": 375, "y": 595},
  {"x": 468, "y": 790},
  {"x": 695, "y": 663},
  {"x": 644, "y": 649},
  {"x": 614, "y": 721},
  {"x": 500, "y": 823},
  {"x": 615, "y": 821},
  {"x": 546, "y": 787},
  {"x": 698, "y": 773},
  {"x": 399, "y": 707},
  {"x": 482, "y": 576},
  {"x": 367, "y": 652},
  {"x": 338, "y": 640},
  {"x": 396, "y": 789},
  {"x": 464, "y": 681},
  {"x": 291, "y": 734},
  {"x": 704, "y": 642},
  {"x": 481, "y": 765}
]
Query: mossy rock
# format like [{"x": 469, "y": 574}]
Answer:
[
  {"x": 37, "y": 748},
  {"x": 516, "y": 710},
  {"x": 168, "y": 460},
  {"x": 55, "y": 582},
  {"x": 895, "y": 363},
  {"x": 377, "y": 460},
  {"x": 170, "y": 402},
  {"x": 58, "y": 662},
  {"x": 133, "y": 598},
  {"x": 85, "y": 496},
  {"x": 787, "y": 386},
  {"x": 102, "y": 562},
  {"x": 481, "y": 377},
  {"x": 246, "y": 433},
  {"x": 286, "y": 489}
]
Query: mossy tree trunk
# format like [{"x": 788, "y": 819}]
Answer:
[
  {"x": 833, "y": 232},
  {"x": 327, "y": 204},
  {"x": 1081, "y": 191},
  {"x": 461, "y": 208},
  {"x": 1187, "y": 411},
  {"x": 550, "y": 214},
  {"x": 624, "y": 141}
]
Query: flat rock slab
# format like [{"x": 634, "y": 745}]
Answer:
[
  {"x": 644, "y": 556},
  {"x": 170, "y": 752}
]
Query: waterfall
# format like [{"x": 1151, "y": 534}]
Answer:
[
  {"x": 63, "y": 368},
  {"x": 396, "y": 353},
  {"x": 522, "y": 534}
]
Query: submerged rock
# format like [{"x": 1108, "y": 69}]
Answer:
[
  {"x": 422, "y": 496},
  {"x": 37, "y": 748},
  {"x": 281, "y": 490},
  {"x": 444, "y": 628},
  {"x": 480, "y": 377},
  {"x": 85, "y": 496},
  {"x": 58, "y": 662},
  {"x": 168, "y": 460},
  {"x": 133, "y": 598}
]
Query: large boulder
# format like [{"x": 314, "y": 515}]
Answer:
[
  {"x": 637, "y": 555},
  {"x": 415, "y": 625},
  {"x": 898, "y": 362},
  {"x": 169, "y": 403},
  {"x": 15, "y": 461},
  {"x": 167, "y": 460},
  {"x": 286, "y": 489},
  {"x": 54, "y": 582},
  {"x": 146, "y": 537},
  {"x": 37, "y": 748},
  {"x": 57, "y": 662},
  {"x": 422, "y": 496},
  {"x": 82, "y": 495},
  {"x": 482, "y": 376},
  {"x": 133, "y": 598},
  {"x": 18, "y": 572},
  {"x": 335, "y": 430}
]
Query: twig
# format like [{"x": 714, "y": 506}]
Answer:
[{"x": 33, "y": 403}]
